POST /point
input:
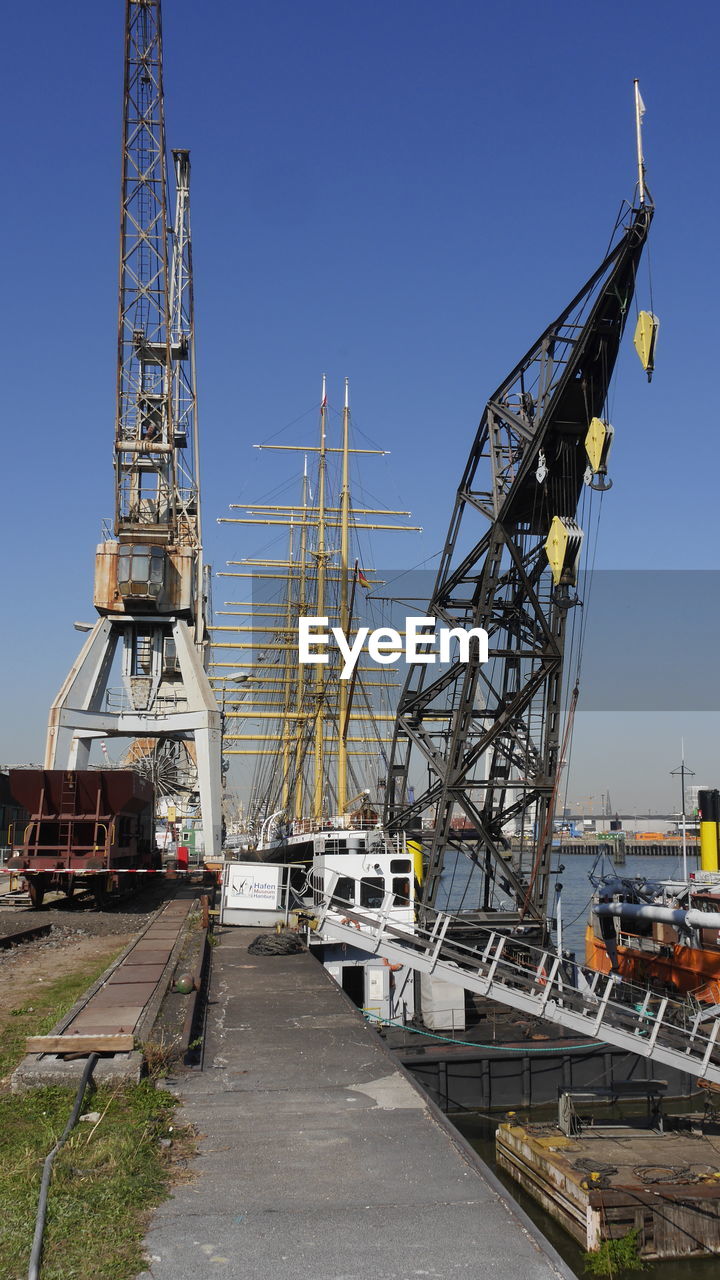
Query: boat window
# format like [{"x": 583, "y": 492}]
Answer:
[
  {"x": 344, "y": 890},
  {"x": 401, "y": 891},
  {"x": 400, "y": 864},
  {"x": 372, "y": 889}
]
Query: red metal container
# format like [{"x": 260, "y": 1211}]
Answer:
[{"x": 82, "y": 821}]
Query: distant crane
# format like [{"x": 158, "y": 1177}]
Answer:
[{"x": 150, "y": 580}]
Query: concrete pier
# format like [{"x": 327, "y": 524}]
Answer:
[{"x": 319, "y": 1157}]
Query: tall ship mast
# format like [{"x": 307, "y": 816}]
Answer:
[
  {"x": 317, "y": 742},
  {"x": 152, "y": 636}
]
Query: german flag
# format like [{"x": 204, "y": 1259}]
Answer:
[{"x": 363, "y": 580}]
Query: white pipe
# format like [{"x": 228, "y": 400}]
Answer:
[
  {"x": 639, "y": 113},
  {"x": 268, "y": 823},
  {"x": 664, "y": 915}
]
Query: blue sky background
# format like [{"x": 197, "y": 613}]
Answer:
[{"x": 405, "y": 193}]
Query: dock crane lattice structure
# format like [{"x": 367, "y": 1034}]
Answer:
[
  {"x": 149, "y": 576},
  {"x": 487, "y": 737}
]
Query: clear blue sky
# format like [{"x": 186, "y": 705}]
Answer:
[{"x": 405, "y": 193}]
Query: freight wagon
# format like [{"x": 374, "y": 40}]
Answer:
[{"x": 93, "y": 828}]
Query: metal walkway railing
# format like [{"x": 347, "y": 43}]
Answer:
[{"x": 679, "y": 1033}]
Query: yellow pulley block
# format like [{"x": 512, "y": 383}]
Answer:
[
  {"x": 597, "y": 444},
  {"x": 644, "y": 340},
  {"x": 562, "y": 547}
]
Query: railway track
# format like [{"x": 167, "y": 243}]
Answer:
[
  {"x": 18, "y": 936},
  {"x": 114, "y": 1013},
  {"x": 20, "y": 901}
]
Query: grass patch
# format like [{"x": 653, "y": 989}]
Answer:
[
  {"x": 43, "y": 1009},
  {"x": 615, "y": 1256},
  {"x": 106, "y": 1178}
]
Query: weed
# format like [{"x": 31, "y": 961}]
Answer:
[
  {"x": 615, "y": 1256},
  {"x": 161, "y": 1055},
  {"x": 195, "y": 921},
  {"x": 105, "y": 1180}
]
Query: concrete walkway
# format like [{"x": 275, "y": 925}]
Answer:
[{"x": 320, "y": 1159}]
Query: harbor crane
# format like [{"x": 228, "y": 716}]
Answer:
[
  {"x": 150, "y": 580},
  {"x": 488, "y": 737}
]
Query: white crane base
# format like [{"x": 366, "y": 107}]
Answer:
[{"x": 155, "y": 704}]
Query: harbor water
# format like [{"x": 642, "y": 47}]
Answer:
[
  {"x": 577, "y": 888},
  {"x": 459, "y": 887},
  {"x": 575, "y": 896}
]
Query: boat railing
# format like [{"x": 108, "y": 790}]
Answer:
[
  {"x": 331, "y": 826},
  {"x": 650, "y": 945}
]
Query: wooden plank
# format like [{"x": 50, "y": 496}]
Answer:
[
  {"x": 101, "y": 1026},
  {"x": 79, "y": 1044}
]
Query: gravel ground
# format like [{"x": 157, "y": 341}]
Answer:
[{"x": 81, "y": 918}]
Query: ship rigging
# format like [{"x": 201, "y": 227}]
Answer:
[{"x": 318, "y": 741}]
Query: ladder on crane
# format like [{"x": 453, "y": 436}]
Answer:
[{"x": 678, "y": 1033}]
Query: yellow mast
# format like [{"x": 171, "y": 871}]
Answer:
[
  {"x": 287, "y": 692},
  {"x": 320, "y": 611},
  {"x": 302, "y": 605},
  {"x": 342, "y": 761}
]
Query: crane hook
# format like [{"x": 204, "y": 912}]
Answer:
[{"x": 601, "y": 484}]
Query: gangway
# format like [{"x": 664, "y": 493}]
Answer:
[{"x": 679, "y": 1033}]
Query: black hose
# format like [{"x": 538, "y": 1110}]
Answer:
[{"x": 36, "y": 1251}]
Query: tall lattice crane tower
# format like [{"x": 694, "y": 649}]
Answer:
[
  {"x": 478, "y": 749},
  {"x": 149, "y": 575}
]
